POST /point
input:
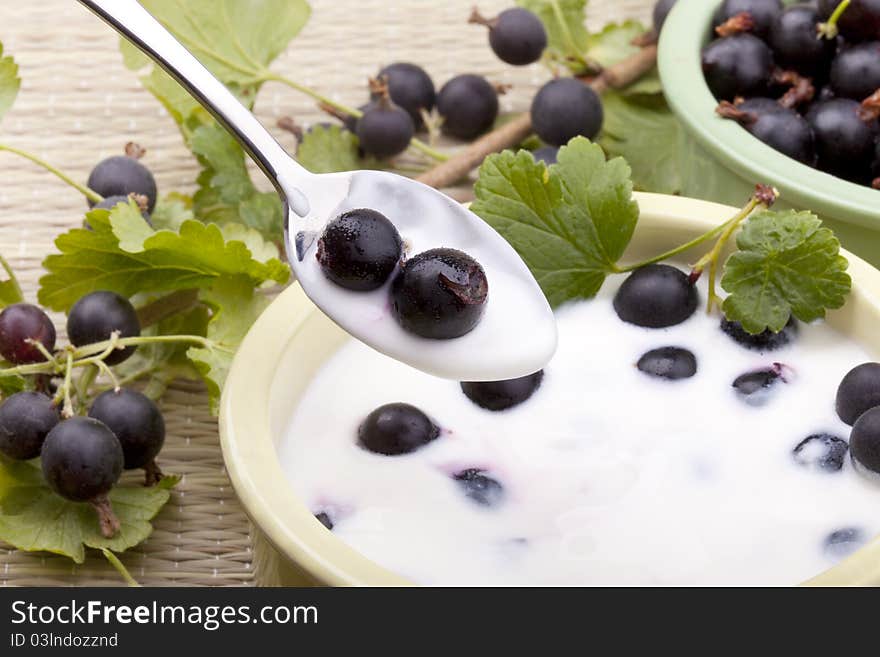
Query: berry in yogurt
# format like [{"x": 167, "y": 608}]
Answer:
[
  {"x": 858, "y": 392},
  {"x": 755, "y": 387},
  {"x": 479, "y": 487},
  {"x": 502, "y": 395},
  {"x": 395, "y": 429},
  {"x": 359, "y": 250},
  {"x": 656, "y": 296},
  {"x": 843, "y": 542},
  {"x": 440, "y": 294},
  {"x": 671, "y": 363},
  {"x": 821, "y": 451},
  {"x": 765, "y": 341}
]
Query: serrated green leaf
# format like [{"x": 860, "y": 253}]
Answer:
[
  {"x": 33, "y": 518},
  {"x": 171, "y": 211},
  {"x": 569, "y": 222},
  {"x": 10, "y": 83},
  {"x": 564, "y": 21},
  {"x": 328, "y": 149},
  {"x": 646, "y": 134},
  {"x": 194, "y": 257},
  {"x": 226, "y": 193},
  {"x": 235, "y": 309},
  {"x": 787, "y": 264},
  {"x": 261, "y": 249}
]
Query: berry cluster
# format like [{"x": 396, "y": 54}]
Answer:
[
  {"x": 398, "y": 429},
  {"x": 803, "y": 79},
  {"x": 82, "y": 456},
  {"x": 403, "y": 97},
  {"x": 440, "y": 294}
]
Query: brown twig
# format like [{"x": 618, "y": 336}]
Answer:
[{"x": 517, "y": 130}]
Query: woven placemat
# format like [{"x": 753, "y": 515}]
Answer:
[{"x": 78, "y": 105}]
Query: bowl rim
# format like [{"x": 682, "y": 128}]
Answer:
[
  {"x": 254, "y": 469},
  {"x": 684, "y": 34}
]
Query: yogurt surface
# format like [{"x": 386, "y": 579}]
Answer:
[{"x": 609, "y": 476}]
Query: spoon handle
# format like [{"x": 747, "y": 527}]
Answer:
[{"x": 137, "y": 25}]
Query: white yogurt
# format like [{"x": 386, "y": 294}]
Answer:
[{"x": 610, "y": 477}]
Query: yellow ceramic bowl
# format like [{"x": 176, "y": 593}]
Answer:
[{"x": 291, "y": 341}]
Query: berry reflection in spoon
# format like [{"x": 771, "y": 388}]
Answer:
[{"x": 516, "y": 335}]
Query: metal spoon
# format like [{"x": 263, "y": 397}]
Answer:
[{"x": 517, "y": 334}]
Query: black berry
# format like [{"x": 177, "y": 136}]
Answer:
[
  {"x": 779, "y": 127},
  {"x": 516, "y": 35},
  {"x": 793, "y": 38},
  {"x": 385, "y": 129},
  {"x": 480, "y": 488},
  {"x": 844, "y": 140},
  {"x": 864, "y": 441},
  {"x": 395, "y": 429},
  {"x": 822, "y": 451},
  {"x": 858, "y": 392},
  {"x": 135, "y": 420},
  {"x": 860, "y": 21},
  {"x": 19, "y": 323},
  {"x": 502, "y": 395},
  {"x": 81, "y": 459},
  {"x": 26, "y": 418},
  {"x": 440, "y": 294},
  {"x": 763, "y": 12},
  {"x": 855, "y": 72},
  {"x": 755, "y": 387},
  {"x": 672, "y": 363},
  {"x": 359, "y": 250},
  {"x": 739, "y": 65},
  {"x": 468, "y": 105},
  {"x": 656, "y": 296},
  {"x": 410, "y": 87},
  {"x": 841, "y": 543},
  {"x": 325, "y": 520},
  {"x": 566, "y": 108},
  {"x": 96, "y": 316},
  {"x": 123, "y": 175},
  {"x": 766, "y": 341}
]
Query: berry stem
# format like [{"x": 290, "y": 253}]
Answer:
[
  {"x": 120, "y": 568},
  {"x": 830, "y": 30},
  {"x": 110, "y": 525},
  {"x": 702, "y": 239},
  {"x": 67, "y": 410},
  {"x": 85, "y": 191},
  {"x": 351, "y": 111}
]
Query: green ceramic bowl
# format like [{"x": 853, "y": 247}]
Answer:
[{"x": 722, "y": 162}]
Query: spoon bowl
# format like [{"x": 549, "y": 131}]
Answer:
[{"x": 517, "y": 334}]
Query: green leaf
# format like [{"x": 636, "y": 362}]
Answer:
[
  {"x": 10, "y": 83},
  {"x": 564, "y": 20},
  {"x": 235, "y": 308},
  {"x": 145, "y": 261},
  {"x": 171, "y": 211},
  {"x": 570, "y": 222},
  {"x": 787, "y": 264},
  {"x": 9, "y": 385},
  {"x": 33, "y": 518},
  {"x": 645, "y": 133},
  {"x": 261, "y": 249},
  {"x": 235, "y": 40},
  {"x": 614, "y": 42},
  {"x": 226, "y": 193},
  {"x": 328, "y": 149},
  {"x": 10, "y": 290}
]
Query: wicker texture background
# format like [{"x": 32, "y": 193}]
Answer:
[{"x": 78, "y": 104}]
